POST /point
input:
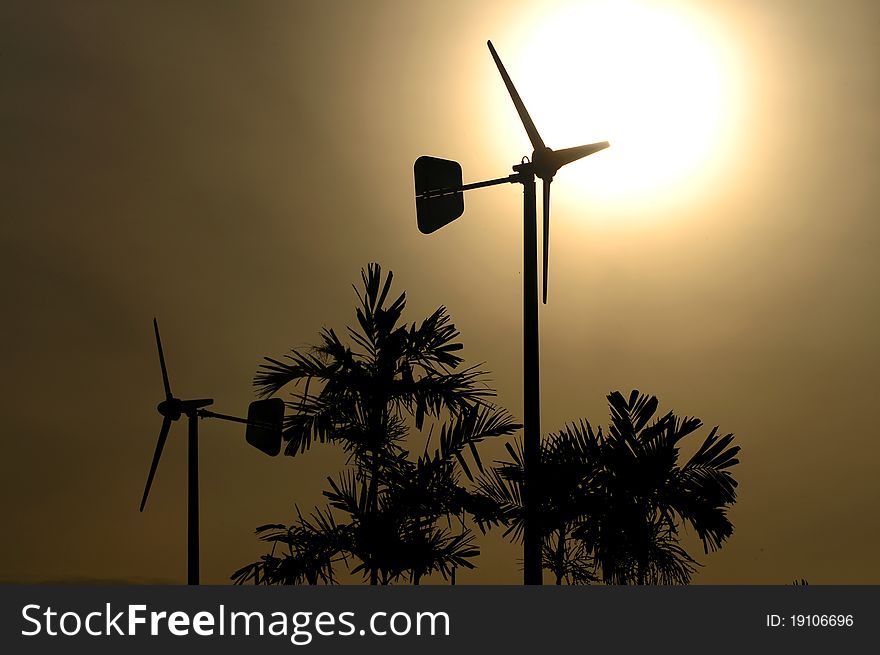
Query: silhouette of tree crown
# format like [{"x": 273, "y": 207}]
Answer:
[
  {"x": 399, "y": 512},
  {"x": 612, "y": 504}
]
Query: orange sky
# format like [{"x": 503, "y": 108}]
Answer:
[{"x": 229, "y": 169}]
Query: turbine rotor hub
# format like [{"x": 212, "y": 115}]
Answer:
[
  {"x": 545, "y": 167},
  {"x": 170, "y": 408}
]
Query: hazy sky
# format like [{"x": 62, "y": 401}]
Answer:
[{"x": 230, "y": 167}]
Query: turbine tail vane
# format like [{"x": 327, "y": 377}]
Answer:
[{"x": 534, "y": 137}]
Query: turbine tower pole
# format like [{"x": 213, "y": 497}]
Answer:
[
  {"x": 532, "y": 571},
  {"x": 192, "y": 555}
]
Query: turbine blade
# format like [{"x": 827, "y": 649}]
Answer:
[
  {"x": 534, "y": 137},
  {"x": 560, "y": 158},
  {"x": 162, "y": 361},
  {"x": 160, "y": 445},
  {"x": 546, "y": 233}
]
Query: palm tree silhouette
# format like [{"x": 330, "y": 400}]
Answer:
[
  {"x": 564, "y": 474},
  {"x": 366, "y": 398},
  {"x": 612, "y": 505}
]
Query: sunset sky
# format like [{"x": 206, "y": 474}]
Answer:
[{"x": 230, "y": 167}]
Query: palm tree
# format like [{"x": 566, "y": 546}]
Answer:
[
  {"x": 365, "y": 397},
  {"x": 613, "y": 505},
  {"x": 567, "y": 465}
]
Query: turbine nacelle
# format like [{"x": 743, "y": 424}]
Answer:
[{"x": 174, "y": 408}]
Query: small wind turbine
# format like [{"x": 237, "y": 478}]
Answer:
[
  {"x": 439, "y": 201},
  {"x": 264, "y": 423}
]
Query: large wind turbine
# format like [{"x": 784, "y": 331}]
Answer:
[{"x": 439, "y": 200}]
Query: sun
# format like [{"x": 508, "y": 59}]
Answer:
[{"x": 656, "y": 82}]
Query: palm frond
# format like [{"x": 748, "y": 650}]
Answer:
[
  {"x": 470, "y": 428},
  {"x": 628, "y": 417},
  {"x": 431, "y": 343}
]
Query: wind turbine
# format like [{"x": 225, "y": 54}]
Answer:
[
  {"x": 439, "y": 201},
  {"x": 264, "y": 423}
]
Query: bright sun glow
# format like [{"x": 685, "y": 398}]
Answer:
[{"x": 644, "y": 76}]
